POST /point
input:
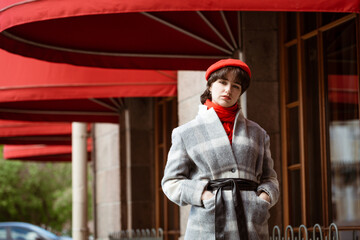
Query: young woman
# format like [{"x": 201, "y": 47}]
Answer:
[{"x": 220, "y": 163}]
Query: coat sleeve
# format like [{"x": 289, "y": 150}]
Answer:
[
  {"x": 176, "y": 184},
  {"x": 268, "y": 181}
]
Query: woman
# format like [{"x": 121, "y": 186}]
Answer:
[{"x": 220, "y": 163}]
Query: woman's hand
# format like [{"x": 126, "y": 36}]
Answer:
[
  {"x": 206, "y": 195},
  {"x": 264, "y": 196}
]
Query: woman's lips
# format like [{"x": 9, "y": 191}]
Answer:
[{"x": 226, "y": 97}]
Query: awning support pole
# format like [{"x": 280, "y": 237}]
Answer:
[{"x": 79, "y": 181}]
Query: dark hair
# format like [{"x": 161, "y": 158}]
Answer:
[{"x": 241, "y": 77}]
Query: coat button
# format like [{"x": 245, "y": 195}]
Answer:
[{"x": 233, "y": 170}]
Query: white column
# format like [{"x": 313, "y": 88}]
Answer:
[
  {"x": 243, "y": 103},
  {"x": 243, "y": 99},
  {"x": 79, "y": 181}
]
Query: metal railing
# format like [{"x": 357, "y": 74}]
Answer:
[
  {"x": 137, "y": 234},
  {"x": 304, "y": 233}
]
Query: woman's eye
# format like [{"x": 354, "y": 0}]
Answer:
[{"x": 236, "y": 86}]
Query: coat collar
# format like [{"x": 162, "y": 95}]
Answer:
[
  {"x": 209, "y": 115},
  {"x": 214, "y": 127}
]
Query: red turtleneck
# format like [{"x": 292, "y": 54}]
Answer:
[{"x": 226, "y": 116}]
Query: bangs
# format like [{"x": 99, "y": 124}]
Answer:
[
  {"x": 221, "y": 74},
  {"x": 241, "y": 77}
]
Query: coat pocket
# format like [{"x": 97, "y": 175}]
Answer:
[
  {"x": 209, "y": 203},
  {"x": 256, "y": 208},
  {"x": 263, "y": 201},
  {"x": 201, "y": 220}
]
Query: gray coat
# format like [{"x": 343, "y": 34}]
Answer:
[{"x": 201, "y": 151}]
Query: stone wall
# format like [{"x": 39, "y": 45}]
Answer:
[
  {"x": 125, "y": 195},
  {"x": 142, "y": 201}
]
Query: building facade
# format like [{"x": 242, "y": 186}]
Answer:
[{"x": 304, "y": 92}]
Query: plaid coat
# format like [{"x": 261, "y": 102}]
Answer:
[{"x": 200, "y": 152}]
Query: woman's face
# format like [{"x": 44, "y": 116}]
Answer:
[{"x": 225, "y": 92}]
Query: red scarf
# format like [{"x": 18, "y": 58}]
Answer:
[{"x": 226, "y": 115}]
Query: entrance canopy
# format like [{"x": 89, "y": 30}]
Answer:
[
  {"x": 35, "y": 90},
  {"x": 137, "y": 34},
  {"x": 40, "y": 153},
  {"x": 23, "y": 132}
]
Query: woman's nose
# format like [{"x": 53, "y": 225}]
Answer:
[{"x": 227, "y": 88}]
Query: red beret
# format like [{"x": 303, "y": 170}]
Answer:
[{"x": 227, "y": 63}]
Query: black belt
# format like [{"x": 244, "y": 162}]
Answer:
[{"x": 236, "y": 185}]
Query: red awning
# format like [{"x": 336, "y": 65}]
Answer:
[
  {"x": 21, "y": 132},
  {"x": 36, "y": 90},
  {"x": 137, "y": 34},
  {"x": 40, "y": 153},
  {"x": 21, "y": 79}
]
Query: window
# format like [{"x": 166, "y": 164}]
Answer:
[
  {"x": 3, "y": 235},
  {"x": 342, "y": 94},
  {"x": 18, "y": 233},
  {"x": 320, "y": 126}
]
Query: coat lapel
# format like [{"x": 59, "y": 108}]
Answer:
[
  {"x": 217, "y": 138},
  {"x": 239, "y": 127},
  {"x": 240, "y": 134},
  {"x": 216, "y": 130}
]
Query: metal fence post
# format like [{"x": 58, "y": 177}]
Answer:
[
  {"x": 305, "y": 230},
  {"x": 138, "y": 234},
  {"x": 317, "y": 226},
  {"x": 333, "y": 226},
  {"x": 289, "y": 228},
  {"x": 276, "y": 230},
  {"x": 303, "y": 233}
]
